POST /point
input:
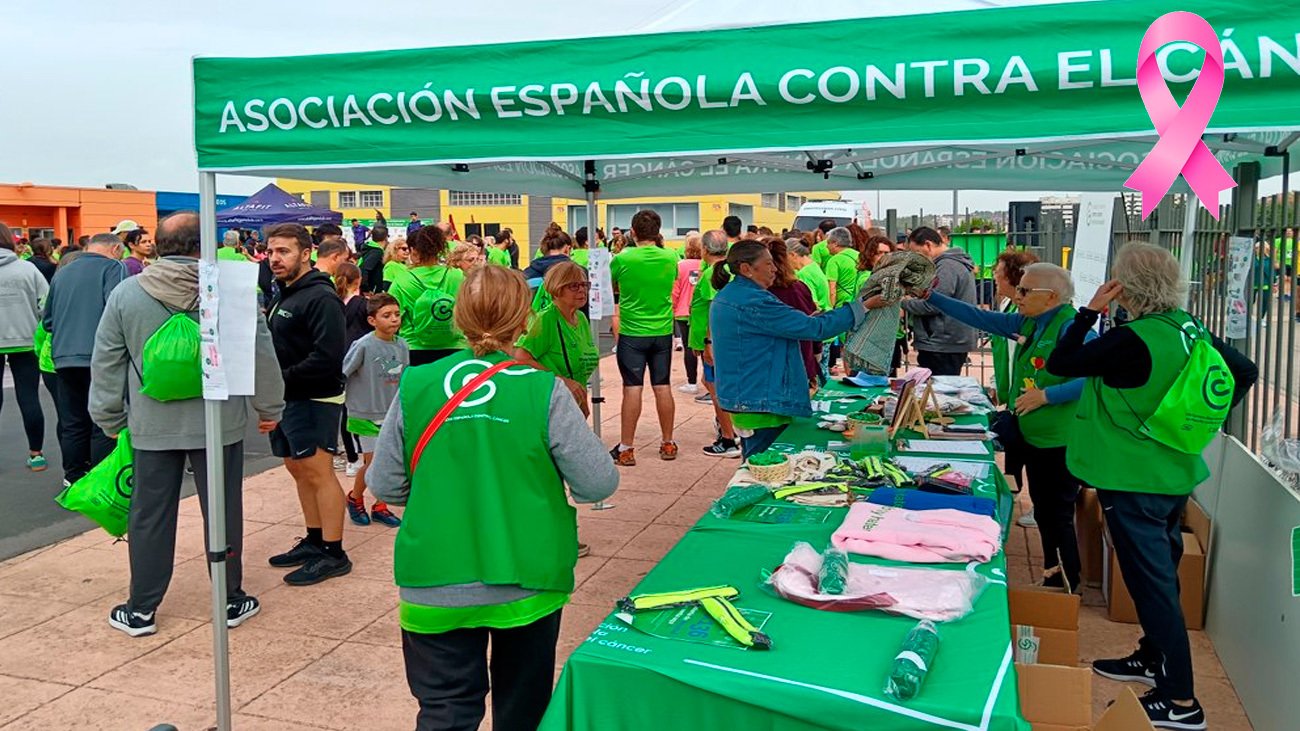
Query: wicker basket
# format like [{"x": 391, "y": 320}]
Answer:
[{"x": 771, "y": 474}]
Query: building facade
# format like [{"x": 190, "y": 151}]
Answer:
[{"x": 54, "y": 212}]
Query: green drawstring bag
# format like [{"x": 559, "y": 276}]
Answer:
[
  {"x": 44, "y": 348},
  {"x": 1198, "y": 402},
  {"x": 104, "y": 494},
  {"x": 170, "y": 367}
]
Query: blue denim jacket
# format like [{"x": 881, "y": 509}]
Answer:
[{"x": 756, "y": 348}]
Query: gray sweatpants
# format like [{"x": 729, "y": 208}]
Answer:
[{"x": 151, "y": 532}]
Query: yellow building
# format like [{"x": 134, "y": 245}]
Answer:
[{"x": 528, "y": 216}]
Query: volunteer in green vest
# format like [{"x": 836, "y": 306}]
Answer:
[
  {"x": 488, "y": 545},
  {"x": 1007, "y": 272},
  {"x": 1043, "y": 403},
  {"x": 1143, "y": 483},
  {"x": 427, "y": 295},
  {"x": 559, "y": 339},
  {"x": 715, "y": 254}
]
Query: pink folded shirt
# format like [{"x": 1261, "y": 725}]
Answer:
[{"x": 917, "y": 536}]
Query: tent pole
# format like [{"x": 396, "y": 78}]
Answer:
[
  {"x": 1190, "y": 205},
  {"x": 593, "y": 224},
  {"x": 217, "y": 547}
]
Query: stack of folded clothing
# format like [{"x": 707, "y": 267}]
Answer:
[
  {"x": 917, "y": 536},
  {"x": 918, "y": 500}
]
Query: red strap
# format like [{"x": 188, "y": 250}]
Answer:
[{"x": 452, "y": 404}]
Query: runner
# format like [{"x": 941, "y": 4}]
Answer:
[
  {"x": 643, "y": 275},
  {"x": 426, "y": 296},
  {"x": 307, "y": 326},
  {"x": 373, "y": 366},
  {"x": 165, "y": 435},
  {"x": 22, "y": 291}
]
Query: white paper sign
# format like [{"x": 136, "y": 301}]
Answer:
[
  {"x": 601, "y": 303},
  {"x": 1241, "y": 254},
  {"x": 237, "y": 324},
  {"x": 214, "y": 374},
  {"x": 1090, "y": 256}
]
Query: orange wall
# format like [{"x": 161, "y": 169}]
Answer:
[{"x": 89, "y": 210}]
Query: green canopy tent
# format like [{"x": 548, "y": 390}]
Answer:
[{"x": 1030, "y": 97}]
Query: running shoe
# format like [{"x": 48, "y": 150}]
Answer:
[
  {"x": 132, "y": 623},
  {"x": 691, "y": 388},
  {"x": 623, "y": 457},
  {"x": 723, "y": 448},
  {"x": 319, "y": 568},
  {"x": 357, "y": 510},
  {"x": 352, "y": 469},
  {"x": 301, "y": 552},
  {"x": 1164, "y": 714},
  {"x": 241, "y": 610},
  {"x": 1027, "y": 520},
  {"x": 1135, "y": 668},
  {"x": 382, "y": 514},
  {"x": 584, "y": 550},
  {"x": 704, "y": 398},
  {"x": 37, "y": 463},
  {"x": 668, "y": 451},
  {"x": 340, "y": 463}
]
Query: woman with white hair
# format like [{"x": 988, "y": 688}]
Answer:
[
  {"x": 1043, "y": 403},
  {"x": 1142, "y": 481}
]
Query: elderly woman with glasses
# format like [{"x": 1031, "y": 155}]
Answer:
[
  {"x": 559, "y": 339},
  {"x": 1142, "y": 482},
  {"x": 1044, "y": 403}
]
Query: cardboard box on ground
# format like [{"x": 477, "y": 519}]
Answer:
[
  {"x": 1088, "y": 529},
  {"x": 1056, "y": 694},
  {"x": 1197, "y": 532}
]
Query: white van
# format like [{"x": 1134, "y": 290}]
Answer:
[{"x": 814, "y": 212}]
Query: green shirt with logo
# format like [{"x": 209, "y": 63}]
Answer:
[
  {"x": 644, "y": 276},
  {"x": 562, "y": 348},
  {"x": 408, "y": 289}
]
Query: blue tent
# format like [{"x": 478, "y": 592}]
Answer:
[{"x": 271, "y": 205}]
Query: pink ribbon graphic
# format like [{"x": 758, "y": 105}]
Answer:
[{"x": 1180, "y": 149}]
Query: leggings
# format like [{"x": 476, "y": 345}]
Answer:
[
  {"x": 27, "y": 389},
  {"x": 351, "y": 444},
  {"x": 688, "y": 355}
]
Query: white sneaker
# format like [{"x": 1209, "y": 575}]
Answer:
[
  {"x": 353, "y": 468},
  {"x": 1027, "y": 520},
  {"x": 689, "y": 388},
  {"x": 340, "y": 464}
]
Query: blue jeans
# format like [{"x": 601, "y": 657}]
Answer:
[{"x": 761, "y": 440}]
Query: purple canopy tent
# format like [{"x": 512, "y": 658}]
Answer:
[{"x": 271, "y": 205}]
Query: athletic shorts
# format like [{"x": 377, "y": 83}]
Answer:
[
  {"x": 305, "y": 427},
  {"x": 636, "y": 353}
]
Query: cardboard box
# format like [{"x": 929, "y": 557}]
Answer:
[
  {"x": 1197, "y": 533},
  {"x": 1044, "y": 625},
  {"x": 1060, "y": 699},
  {"x": 1088, "y": 530}
]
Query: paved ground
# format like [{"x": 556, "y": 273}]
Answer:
[{"x": 328, "y": 657}]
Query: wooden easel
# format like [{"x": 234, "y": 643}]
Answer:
[
  {"x": 911, "y": 411},
  {"x": 930, "y": 397}
]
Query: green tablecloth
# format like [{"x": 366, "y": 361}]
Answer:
[{"x": 826, "y": 669}]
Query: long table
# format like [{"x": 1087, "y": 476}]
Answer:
[{"x": 826, "y": 669}]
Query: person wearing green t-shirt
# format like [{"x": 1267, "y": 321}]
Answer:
[
  {"x": 427, "y": 293},
  {"x": 560, "y": 337},
  {"x": 1142, "y": 483},
  {"x": 497, "y": 252},
  {"x": 488, "y": 542},
  {"x": 643, "y": 276},
  {"x": 810, "y": 274},
  {"x": 842, "y": 267},
  {"x": 821, "y": 252},
  {"x": 715, "y": 254}
]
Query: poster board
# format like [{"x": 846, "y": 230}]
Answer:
[
  {"x": 1090, "y": 257},
  {"x": 601, "y": 302}
]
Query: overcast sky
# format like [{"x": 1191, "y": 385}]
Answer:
[{"x": 99, "y": 92}]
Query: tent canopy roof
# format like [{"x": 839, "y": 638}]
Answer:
[
  {"x": 981, "y": 99},
  {"x": 273, "y": 205}
]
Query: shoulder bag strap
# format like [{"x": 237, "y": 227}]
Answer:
[
  {"x": 452, "y": 404},
  {"x": 559, "y": 330}
]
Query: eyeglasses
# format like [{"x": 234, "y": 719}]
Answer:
[
  {"x": 577, "y": 286},
  {"x": 1024, "y": 291}
]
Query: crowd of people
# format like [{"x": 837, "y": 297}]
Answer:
[{"x": 409, "y": 363}]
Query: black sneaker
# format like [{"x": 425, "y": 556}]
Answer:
[
  {"x": 706, "y": 398},
  {"x": 132, "y": 623},
  {"x": 301, "y": 552},
  {"x": 723, "y": 448},
  {"x": 319, "y": 568},
  {"x": 241, "y": 610},
  {"x": 1164, "y": 714},
  {"x": 1134, "y": 668}
]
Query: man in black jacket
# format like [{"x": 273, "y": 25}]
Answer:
[
  {"x": 370, "y": 260},
  {"x": 308, "y": 329}
]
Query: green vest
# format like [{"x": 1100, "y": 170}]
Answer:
[
  {"x": 1001, "y": 364},
  {"x": 1048, "y": 425},
  {"x": 1106, "y": 448},
  {"x": 473, "y": 516}
]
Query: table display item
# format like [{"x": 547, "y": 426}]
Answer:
[
  {"x": 691, "y": 623},
  {"x": 715, "y": 601},
  {"x": 770, "y": 467},
  {"x": 918, "y": 536},
  {"x": 918, "y": 500},
  {"x": 940, "y": 595},
  {"x": 810, "y": 465},
  {"x": 942, "y": 478},
  {"x": 913, "y": 661},
  {"x": 835, "y": 571},
  {"x": 737, "y": 497}
]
